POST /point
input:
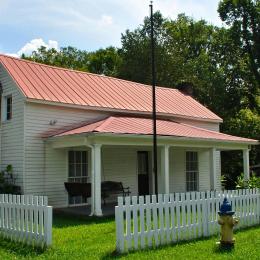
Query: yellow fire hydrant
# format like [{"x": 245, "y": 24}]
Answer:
[{"x": 227, "y": 222}]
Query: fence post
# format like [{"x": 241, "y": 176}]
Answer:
[
  {"x": 119, "y": 226},
  {"x": 49, "y": 226}
]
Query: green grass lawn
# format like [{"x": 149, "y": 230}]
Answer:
[{"x": 75, "y": 238}]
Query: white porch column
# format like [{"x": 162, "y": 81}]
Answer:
[
  {"x": 246, "y": 164},
  {"x": 213, "y": 169},
  {"x": 165, "y": 168},
  {"x": 96, "y": 180}
]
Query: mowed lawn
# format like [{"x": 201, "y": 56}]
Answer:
[{"x": 75, "y": 238}]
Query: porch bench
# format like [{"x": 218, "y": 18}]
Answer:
[{"x": 108, "y": 188}]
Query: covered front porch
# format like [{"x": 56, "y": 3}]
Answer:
[{"x": 185, "y": 163}]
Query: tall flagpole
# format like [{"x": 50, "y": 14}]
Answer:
[{"x": 154, "y": 104}]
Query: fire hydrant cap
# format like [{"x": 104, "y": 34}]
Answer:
[{"x": 226, "y": 208}]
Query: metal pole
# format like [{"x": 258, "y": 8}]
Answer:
[{"x": 154, "y": 104}]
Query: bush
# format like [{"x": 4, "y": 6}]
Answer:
[
  {"x": 7, "y": 181},
  {"x": 251, "y": 183}
]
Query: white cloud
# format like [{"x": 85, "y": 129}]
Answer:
[
  {"x": 106, "y": 20},
  {"x": 34, "y": 45}
]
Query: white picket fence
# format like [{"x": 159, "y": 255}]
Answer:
[
  {"x": 164, "y": 219},
  {"x": 26, "y": 218}
]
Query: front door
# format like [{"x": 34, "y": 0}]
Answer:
[{"x": 143, "y": 173}]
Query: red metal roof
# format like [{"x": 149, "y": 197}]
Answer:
[
  {"x": 42, "y": 82},
  {"x": 144, "y": 126}
]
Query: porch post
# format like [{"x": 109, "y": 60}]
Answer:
[
  {"x": 165, "y": 167},
  {"x": 246, "y": 164},
  {"x": 96, "y": 180},
  {"x": 213, "y": 169},
  {"x": 92, "y": 182}
]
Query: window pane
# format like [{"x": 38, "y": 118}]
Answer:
[
  {"x": 84, "y": 170},
  {"x": 78, "y": 169},
  {"x": 71, "y": 157},
  {"x": 84, "y": 157},
  {"x": 71, "y": 170},
  {"x": 78, "y": 157}
]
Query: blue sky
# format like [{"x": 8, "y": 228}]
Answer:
[{"x": 85, "y": 24}]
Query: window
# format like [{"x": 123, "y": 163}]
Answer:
[
  {"x": 192, "y": 171},
  {"x": 8, "y": 107},
  {"x": 78, "y": 172}
]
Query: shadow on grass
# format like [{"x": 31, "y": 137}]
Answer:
[
  {"x": 64, "y": 220},
  {"x": 223, "y": 249},
  {"x": 116, "y": 255},
  {"x": 20, "y": 249}
]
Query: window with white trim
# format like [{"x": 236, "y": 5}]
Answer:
[
  {"x": 192, "y": 171},
  {"x": 8, "y": 108},
  {"x": 77, "y": 172}
]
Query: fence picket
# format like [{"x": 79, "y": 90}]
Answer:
[
  {"x": 188, "y": 215},
  {"x": 119, "y": 225},
  {"x": 161, "y": 219},
  {"x": 148, "y": 220},
  {"x": 135, "y": 221},
  {"x": 193, "y": 212},
  {"x": 128, "y": 223},
  {"x": 257, "y": 206},
  {"x": 155, "y": 220},
  {"x": 183, "y": 216},
  {"x": 142, "y": 231},
  {"x": 172, "y": 216},
  {"x": 178, "y": 214},
  {"x": 167, "y": 219}
]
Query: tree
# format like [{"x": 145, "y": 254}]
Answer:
[
  {"x": 103, "y": 61},
  {"x": 243, "y": 17},
  {"x": 246, "y": 123},
  {"x": 135, "y": 51}
]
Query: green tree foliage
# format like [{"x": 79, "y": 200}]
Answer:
[
  {"x": 103, "y": 61},
  {"x": 243, "y": 19}
]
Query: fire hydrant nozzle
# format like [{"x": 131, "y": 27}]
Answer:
[{"x": 227, "y": 222}]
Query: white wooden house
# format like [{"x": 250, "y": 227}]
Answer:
[{"x": 60, "y": 125}]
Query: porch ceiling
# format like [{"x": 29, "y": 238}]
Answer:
[{"x": 141, "y": 129}]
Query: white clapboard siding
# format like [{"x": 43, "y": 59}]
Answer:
[
  {"x": 12, "y": 131},
  {"x": 26, "y": 219},
  {"x": 157, "y": 220}
]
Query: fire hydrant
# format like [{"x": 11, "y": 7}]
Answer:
[{"x": 227, "y": 222}]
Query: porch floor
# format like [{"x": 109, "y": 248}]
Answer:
[{"x": 107, "y": 210}]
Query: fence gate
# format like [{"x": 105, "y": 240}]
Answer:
[{"x": 151, "y": 221}]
